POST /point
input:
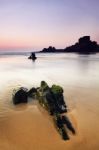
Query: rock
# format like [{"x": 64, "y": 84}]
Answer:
[
  {"x": 32, "y": 92},
  {"x": 51, "y": 98},
  {"x": 59, "y": 98},
  {"x": 68, "y": 124},
  {"x": 32, "y": 56},
  {"x": 49, "y": 49},
  {"x": 45, "y": 98},
  {"x": 83, "y": 46},
  {"x": 20, "y": 96},
  {"x": 60, "y": 126}
]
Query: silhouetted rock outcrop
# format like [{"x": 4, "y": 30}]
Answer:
[
  {"x": 49, "y": 49},
  {"x": 32, "y": 56},
  {"x": 83, "y": 46}
]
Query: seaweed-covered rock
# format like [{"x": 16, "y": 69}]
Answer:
[
  {"x": 20, "y": 96},
  {"x": 59, "y": 98},
  {"x": 45, "y": 97},
  {"x": 57, "y": 89},
  {"x": 60, "y": 126},
  {"x": 51, "y": 98},
  {"x": 68, "y": 124}
]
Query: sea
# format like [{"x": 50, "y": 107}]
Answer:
[
  {"x": 59, "y": 68},
  {"x": 70, "y": 71},
  {"x": 77, "y": 74}
]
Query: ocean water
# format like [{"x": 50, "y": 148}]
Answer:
[
  {"x": 77, "y": 74},
  {"x": 67, "y": 70}
]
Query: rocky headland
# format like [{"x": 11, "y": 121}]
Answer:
[{"x": 83, "y": 46}]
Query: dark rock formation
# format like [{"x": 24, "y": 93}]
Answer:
[
  {"x": 52, "y": 99},
  {"x": 57, "y": 92},
  {"x": 20, "y": 96},
  {"x": 32, "y": 92},
  {"x": 59, "y": 124},
  {"x": 49, "y": 49},
  {"x": 32, "y": 56},
  {"x": 83, "y": 46},
  {"x": 68, "y": 124}
]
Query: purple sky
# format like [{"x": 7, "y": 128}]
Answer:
[{"x": 40, "y": 23}]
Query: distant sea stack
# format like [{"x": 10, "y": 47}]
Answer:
[
  {"x": 83, "y": 46},
  {"x": 32, "y": 56}
]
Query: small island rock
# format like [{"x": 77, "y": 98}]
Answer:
[{"x": 32, "y": 56}]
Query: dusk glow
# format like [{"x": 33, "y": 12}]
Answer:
[{"x": 39, "y": 23}]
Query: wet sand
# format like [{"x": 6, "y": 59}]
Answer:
[{"x": 29, "y": 127}]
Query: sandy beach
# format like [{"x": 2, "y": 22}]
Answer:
[
  {"x": 29, "y": 127},
  {"x": 49, "y": 51}
]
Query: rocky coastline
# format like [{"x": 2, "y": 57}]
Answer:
[{"x": 83, "y": 46}]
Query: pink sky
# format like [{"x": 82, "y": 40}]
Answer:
[{"x": 37, "y": 24}]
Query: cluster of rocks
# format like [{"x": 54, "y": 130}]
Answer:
[
  {"x": 52, "y": 99},
  {"x": 49, "y": 49},
  {"x": 52, "y": 49}
]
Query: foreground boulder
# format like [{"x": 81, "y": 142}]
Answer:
[{"x": 20, "y": 96}]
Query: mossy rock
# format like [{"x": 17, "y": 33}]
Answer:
[
  {"x": 57, "y": 89},
  {"x": 44, "y": 86}
]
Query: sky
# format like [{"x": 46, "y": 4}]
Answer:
[{"x": 35, "y": 24}]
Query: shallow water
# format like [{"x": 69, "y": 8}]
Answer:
[
  {"x": 79, "y": 75},
  {"x": 69, "y": 70},
  {"x": 66, "y": 69}
]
